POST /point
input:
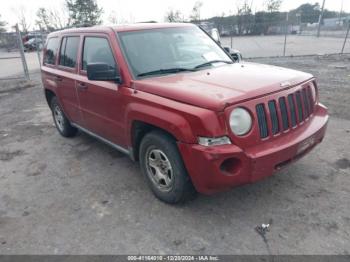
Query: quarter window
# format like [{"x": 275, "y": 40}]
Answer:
[
  {"x": 51, "y": 51},
  {"x": 97, "y": 50},
  {"x": 69, "y": 50}
]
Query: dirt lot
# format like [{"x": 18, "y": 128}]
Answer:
[{"x": 73, "y": 196}]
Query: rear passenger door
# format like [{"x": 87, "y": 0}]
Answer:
[
  {"x": 66, "y": 77},
  {"x": 100, "y": 101},
  {"x": 48, "y": 69}
]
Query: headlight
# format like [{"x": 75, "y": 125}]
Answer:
[{"x": 240, "y": 121}]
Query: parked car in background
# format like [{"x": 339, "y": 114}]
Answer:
[
  {"x": 172, "y": 98},
  {"x": 33, "y": 44}
]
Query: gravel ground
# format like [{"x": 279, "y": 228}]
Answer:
[{"x": 77, "y": 196}]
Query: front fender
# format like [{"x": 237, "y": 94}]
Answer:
[{"x": 163, "y": 118}]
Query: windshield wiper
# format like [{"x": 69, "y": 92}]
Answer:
[
  {"x": 167, "y": 71},
  {"x": 212, "y": 62}
]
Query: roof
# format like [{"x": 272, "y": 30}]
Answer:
[
  {"x": 122, "y": 28},
  {"x": 145, "y": 26}
]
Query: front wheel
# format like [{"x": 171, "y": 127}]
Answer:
[{"x": 163, "y": 168}]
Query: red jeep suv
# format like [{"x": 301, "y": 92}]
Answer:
[{"x": 172, "y": 98}]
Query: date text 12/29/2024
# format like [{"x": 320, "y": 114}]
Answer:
[{"x": 173, "y": 258}]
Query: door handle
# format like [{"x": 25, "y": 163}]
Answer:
[
  {"x": 82, "y": 86},
  {"x": 58, "y": 79}
]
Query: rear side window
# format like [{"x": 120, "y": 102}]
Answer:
[
  {"x": 69, "y": 50},
  {"x": 51, "y": 51},
  {"x": 97, "y": 50}
]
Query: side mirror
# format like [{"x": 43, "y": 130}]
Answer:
[
  {"x": 214, "y": 33},
  {"x": 102, "y": 72},
  {"x": 235, "y": 54}
]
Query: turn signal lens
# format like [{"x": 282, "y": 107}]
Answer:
[{"x": 214, "y": 141}]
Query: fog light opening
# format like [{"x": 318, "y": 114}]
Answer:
[{"x": 230, "y": 166}]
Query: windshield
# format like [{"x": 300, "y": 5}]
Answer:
[{"x": 159, "y": 50}]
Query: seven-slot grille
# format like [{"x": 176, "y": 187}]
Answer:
[{"x": 280, "y": 114}]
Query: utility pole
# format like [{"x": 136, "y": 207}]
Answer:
[
  {"x": 21, "y": 50},
  {"x": 320, "y": 19},
  {"x": 285, "y": 35},
  {"x": 346, "y": 37},
  {"x": 341, "y": 11}
]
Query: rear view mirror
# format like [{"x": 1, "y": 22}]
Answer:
[
  {"x": 235, "y": 54},
  {"x": 102, "y": 72}
]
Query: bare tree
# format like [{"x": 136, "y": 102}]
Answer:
[
  {"x": 174, "y": 16},
  {"x": 22, "y": 19},
  {"x": 117, "y": 18},
  {"x": 196, "y": 12},
  {"x": 52, "y": 19},
  {"x": 59, "y": 18},
  {"x": 273, "y": 5},
  {"x": 42, "y": 19},
  {"x": 112, "y": 18},
  {"x": 244, "y": 17}
]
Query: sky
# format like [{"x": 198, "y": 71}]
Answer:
[{"x": 129, "y": 11}]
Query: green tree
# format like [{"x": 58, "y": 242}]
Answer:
[
  {"x": 2, "y": 25},
  {"x": 309, "y": 13},
  {"x": 84, "y": 12}
]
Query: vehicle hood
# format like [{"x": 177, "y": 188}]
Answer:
[{"x": 218, "y": 87}]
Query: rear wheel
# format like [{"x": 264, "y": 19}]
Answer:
[
  {"x": 163, "y": 168},
  {"x": 61, "y": 121}
]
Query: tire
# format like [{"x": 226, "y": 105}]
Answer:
[
  {"x": 61, "y": 121},
  {"x": 163, "y": 168}
]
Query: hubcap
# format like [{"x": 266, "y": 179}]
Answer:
[
  {"x": 159, "y": 169},
  {"x": 58, "y": 115}
]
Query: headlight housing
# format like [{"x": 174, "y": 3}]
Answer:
[{"x": 240, "y": 121}]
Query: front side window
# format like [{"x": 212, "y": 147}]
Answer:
[
  {"x": 69, "y": 51},
  {"x": 51, "y": 51},
  {"x": 169, "y": 48},
  {"x": 97, "y": 50}
]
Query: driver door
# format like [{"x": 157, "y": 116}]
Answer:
[{"x": 100, "y": 101}]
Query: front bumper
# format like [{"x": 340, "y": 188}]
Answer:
[{"x": 218, "y": 168}]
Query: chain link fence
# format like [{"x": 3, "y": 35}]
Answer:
[
  {"x": 20, "y": 54},
  {"x": 282, "y": 37}
]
